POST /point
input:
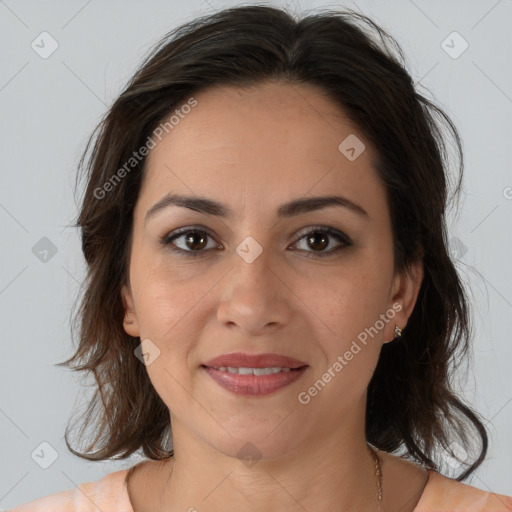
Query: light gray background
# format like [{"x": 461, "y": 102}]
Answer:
[{"x": 50, "y": 106}]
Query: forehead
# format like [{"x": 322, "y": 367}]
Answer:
[{"x": 269, "y": 140}]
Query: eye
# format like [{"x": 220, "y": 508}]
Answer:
[
  {"x": 318, "y": 238},
  {"x": 194, "y": 241}
]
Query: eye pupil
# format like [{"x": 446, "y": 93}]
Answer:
[
  {"x": 193, "y": 235},
  {"x": 313, "y": 241}
]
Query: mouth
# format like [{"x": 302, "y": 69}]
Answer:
[
  {"x": 254, "y": 371},
  {"x": 253, "y": 381}
]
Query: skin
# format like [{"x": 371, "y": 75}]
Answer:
[{"x": 254, "y": 149}]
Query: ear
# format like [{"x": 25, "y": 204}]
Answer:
[
  {"x": 130, "y": 323},
  {"x": 405, "y": 289}
]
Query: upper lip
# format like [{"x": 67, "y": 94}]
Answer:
[{"x": 241, "y": 360}]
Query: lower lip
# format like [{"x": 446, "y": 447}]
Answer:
[{"x": 254, "y": 385}]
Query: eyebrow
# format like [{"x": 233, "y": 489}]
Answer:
[{"x": 291, "y": 209}]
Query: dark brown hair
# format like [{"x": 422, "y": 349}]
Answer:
[{"x": 411, "y": 402}]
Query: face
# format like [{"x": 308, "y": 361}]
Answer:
[{"x": 260, "y": 279}]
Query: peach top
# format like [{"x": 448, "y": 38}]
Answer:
[{"x": 110, "y": 494}]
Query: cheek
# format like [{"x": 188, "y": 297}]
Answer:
[
  {"x": 164, "y": 292},
  {"x": 168, "y": 315},
  {"x": 348, "y": 313},
  {"x": 165, "y": 311},
  {"x": 351, "y": 296},
  {"x": 349, "y": 333},
  {"x": 172, "y": 310}
]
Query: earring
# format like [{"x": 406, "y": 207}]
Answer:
[{"x": 398, "y": 332}]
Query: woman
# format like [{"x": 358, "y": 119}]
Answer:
[{"x": 268, "y": 276}]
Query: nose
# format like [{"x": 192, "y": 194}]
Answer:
[{"x": 254, "y": 296}]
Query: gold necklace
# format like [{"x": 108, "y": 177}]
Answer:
[{"x": 378, "y": 476}]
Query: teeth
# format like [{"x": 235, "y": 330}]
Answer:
[{"x": 252, "y": 371}]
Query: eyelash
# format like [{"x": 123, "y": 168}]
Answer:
[{"x": 167, "y": 240}]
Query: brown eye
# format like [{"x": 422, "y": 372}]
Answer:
[
  {"x": 195, "y": 240},
  {"x": 318, "y": 239},
  {"x": 189, "y": 242}
]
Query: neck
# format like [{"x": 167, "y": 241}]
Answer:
[{"x": 329, "y": 475}]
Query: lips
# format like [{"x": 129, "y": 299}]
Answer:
[
  {"x": 241, "y": 360},
  {"x": 255, "y": 385}
]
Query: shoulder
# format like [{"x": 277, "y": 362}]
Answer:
[
  {"x": 108, "y": 494},
  {"x": 442, "y": 494}
]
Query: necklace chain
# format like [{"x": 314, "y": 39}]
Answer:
[{"x": 378, "y": 476}]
